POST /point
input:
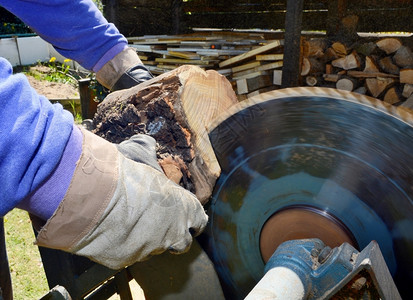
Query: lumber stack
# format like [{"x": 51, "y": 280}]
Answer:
[
  {"x": 246, "y": 59},
  {"x": 382, "y": 68},
  {"x": 252, "y": 62},
  {"x": 206, "y": 50}
]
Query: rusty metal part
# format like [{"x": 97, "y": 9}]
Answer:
[
  {"x": 346, "y": 154},
  {"x": 302, "y": 222}
]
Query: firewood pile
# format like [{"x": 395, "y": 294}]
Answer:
[
  {"x": 382, "y": 68},
  {"x": 252, "y": 62}
]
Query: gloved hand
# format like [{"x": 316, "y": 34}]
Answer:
[
  {"x": 118, "y": 211},
  {"x": 123, "y": 71}
]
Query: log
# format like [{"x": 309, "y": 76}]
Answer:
[
  {"x": 408, "y": 103},
  {"x": 366, "y": 49},
  {"x": 370, "y": 65},
  {"x": 392, "y": 96},
  {"x": 315, "y": 47},
  {"x": 407, "y": 90},
  {"x": 348, "y": 62},
  {"x": 305, "y": 66},
  {"x": 376, "y": 86},
  {"x": 330, "y": 55},
  {"x": 174, "y": 108},
  {"x": 331, "y": 77},
  {"x": 406, "y": 76},
  {"x": 389, "y": 45},
  {"x": 387, "y": 65},
  {"x": 360, "y": 90},
  {"x": 340, "y": 49},
  {"x": 311, "y": 65},
  {"x": 329, "y": 69},
  {"x": 362, "y": 74},
  {"x": 403, "y": 57},
  {"x": 347, "y": 84},
  {"x": 311, "y": 80}
]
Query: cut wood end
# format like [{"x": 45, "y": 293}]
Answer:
[
  {"x": 339, "y": 48},
  {"x": 348, "y": 62},
  {"x": 389, "y": 45}
]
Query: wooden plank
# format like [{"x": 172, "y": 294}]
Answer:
[
  {"x": 247, "y": 66},
  {"x": 277, "y": 77},
  {"x": 184, "y": 54},
  {"x": 270, "y": 66},
  {"x": 270, "y": 57},
  {"x": 362, "y": 74},
  {"x": 240, "y": 58},
  {"x": 250, "y": 75},
  {"x": 248, "y": 85},
  {"x": 202, "y": 51},
  {"x": 266, "y": 67},
  {"x": 182, "y": 61},
  {"x": 147, "y": 48}
]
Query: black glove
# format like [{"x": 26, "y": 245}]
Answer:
[
  {"x": 133, "y": 76},
  {"x": 123, "y": 71}
]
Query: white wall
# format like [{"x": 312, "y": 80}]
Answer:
[{"x": 29, "y": 50}]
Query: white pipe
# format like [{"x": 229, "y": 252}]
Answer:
[{"x": 278, "y": 283}]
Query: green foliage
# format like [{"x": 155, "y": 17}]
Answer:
[
  {"x": 54, "y": 72},
  {"x": 59, "y": 72},
  {"x": 77, "y": 115},
  {"x": 99, "y": 4},
  {"x": 14, "y": 28}
]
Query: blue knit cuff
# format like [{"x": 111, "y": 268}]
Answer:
[{"x": 44, "y": 201}]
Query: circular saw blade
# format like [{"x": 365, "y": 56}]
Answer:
[{"x": 343, "y": 154}]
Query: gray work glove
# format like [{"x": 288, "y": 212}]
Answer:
[
  {"x": 123, "y": 71},
  {"x": 140, "y": 148},
  {"x": 118, "y": 211}
]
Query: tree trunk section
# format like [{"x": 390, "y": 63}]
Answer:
[{"x": 174, "y": 108}]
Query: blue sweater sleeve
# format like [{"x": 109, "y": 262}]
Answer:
[
  {"x": 76, "y": 28},
  {"x": 33, "y": 137}
]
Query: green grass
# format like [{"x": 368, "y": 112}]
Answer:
[
  {"x": 28, "y": 277},
  {"x": 52, "y": 71}
]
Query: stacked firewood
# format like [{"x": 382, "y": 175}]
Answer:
[
  {"x": 253, "y": 62},
  {"x": 382, "y": 68}
]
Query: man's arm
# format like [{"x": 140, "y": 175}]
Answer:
[
  {"x": 33, "y": 136},
  {"x": 76, "y": 28},
  {"x": 92, "y": 195}
]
